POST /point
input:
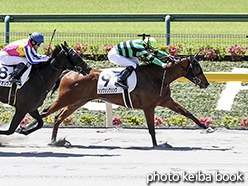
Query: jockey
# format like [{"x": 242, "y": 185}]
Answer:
[
  {"x": 125, "y": 54},
  {"x": 22, "y": 53}
]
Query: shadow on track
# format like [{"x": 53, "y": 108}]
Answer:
[
  {"x": 160, "y": 147},
  {"x": 50, "y": 154}
]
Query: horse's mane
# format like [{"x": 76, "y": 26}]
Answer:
[
  {"x": 154, "y": 69},
  {"x": 149, "y": 69},
  {"x": 56, "y": 51},
  {"x": 54, "y": 54},
  {"x": 148, "y": 66}
]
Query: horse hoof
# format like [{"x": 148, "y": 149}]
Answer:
[
  {"x": 60, "y": 143},
  {"x": 21, "y": 130},
  {"x": 164, "y": 145},
  {"x": 208, "y": 130}
]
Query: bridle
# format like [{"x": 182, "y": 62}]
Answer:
[
  {"x": 189, "y": 71},
  {"x": 76, "y": 68},
  {"x": 80, "y": 67}
]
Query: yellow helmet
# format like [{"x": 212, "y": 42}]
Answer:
[{"x": 150, "y": 42}]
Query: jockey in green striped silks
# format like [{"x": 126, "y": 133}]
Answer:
[{"x": 125, "y": 54}]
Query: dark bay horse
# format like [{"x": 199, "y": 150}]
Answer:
[
  {"x": 76, "y": 90},
  {"x": 41, "y": 80}
]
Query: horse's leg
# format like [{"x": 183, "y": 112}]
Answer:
[
  {"x": 35, "y": 114},
  {"x": 173, "y": 105},
  {"x": 17, "y": 118},
  {"x": 67, "y": 111},
  {"x": 46, "y": 112},
  {"x": 149, "y": 114},
  {"x": 50, "y": 109}
]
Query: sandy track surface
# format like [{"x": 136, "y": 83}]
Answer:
[{"x": 124, "y": 157}]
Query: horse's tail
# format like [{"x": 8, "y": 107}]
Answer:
[{"x": 56, "y": 86}]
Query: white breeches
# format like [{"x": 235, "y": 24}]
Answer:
[
  {"x": 116, "y": 58},
  {"x": 6, "y": 59}
]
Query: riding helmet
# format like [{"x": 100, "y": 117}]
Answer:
[
  {"x": 37, "y": 37},
  {"x": 150, "y": 42}
]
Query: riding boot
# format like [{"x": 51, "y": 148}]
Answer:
[
  {"x": 121, "y": 80},
  {"x": 17, "y": 73}
]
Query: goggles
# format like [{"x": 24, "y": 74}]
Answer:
[{"x": 37, "y": 44}]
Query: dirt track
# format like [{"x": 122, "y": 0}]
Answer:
[{"x": 122, "y": 157}]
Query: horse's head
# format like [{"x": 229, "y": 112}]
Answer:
[
  {"x": 76, "y": 63},
  {"x": 194, "y": 72}
]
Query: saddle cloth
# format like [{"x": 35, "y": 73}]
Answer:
[
  {"x": 107, "y": 79},
  {"x": 4, "y": 75}
]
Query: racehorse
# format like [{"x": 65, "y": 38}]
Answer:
[
  {"x": 41, "y": 80},
  {"x": 75, "y": 90}
]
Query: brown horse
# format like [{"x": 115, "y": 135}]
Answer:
[{"x": 75, "y": 90}]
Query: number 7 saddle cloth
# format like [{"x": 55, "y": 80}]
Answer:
[{"x": 107, "y": 79}]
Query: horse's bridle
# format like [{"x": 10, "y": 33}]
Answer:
[
  {"x": 76, "y": 68},
  {"x": 187, "y": 70},
  {"x": 190, "y": 69}
]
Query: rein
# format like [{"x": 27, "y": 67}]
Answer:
[
  {"x": 42, "y": 79},
  {"x": 43, "y": 82},
  {"x": 55, "y": 68}
]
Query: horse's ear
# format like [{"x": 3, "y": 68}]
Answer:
[
  {"x": 65, "y": 43},
  {"x": 64, "y": 47},
  {"x": 196, "y": 55},
  {"x": 191, "y": 58}
]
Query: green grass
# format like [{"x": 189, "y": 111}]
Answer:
[
  {"x": 125, "y": 6},
  {"x": 135, "y": 6}
]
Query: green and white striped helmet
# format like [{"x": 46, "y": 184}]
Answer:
[{"x": 150, "y": 42}]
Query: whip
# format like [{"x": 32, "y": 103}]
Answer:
[
  {"x": 161, "y": 89},
  {"x": 51, "y": 41},
  {"x": 143, "y": 35}
]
